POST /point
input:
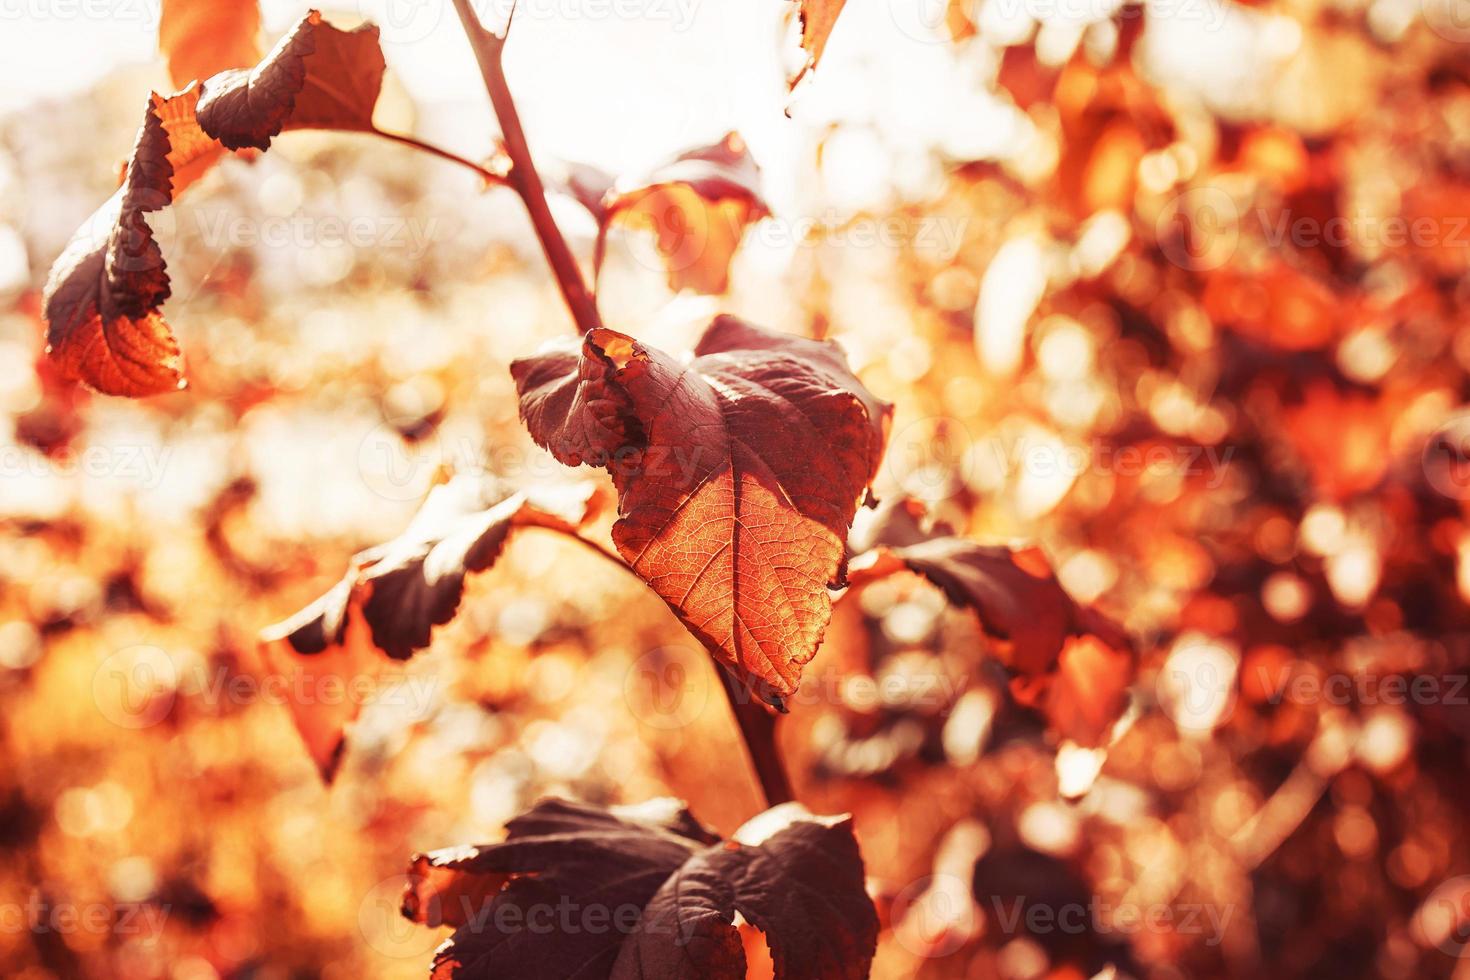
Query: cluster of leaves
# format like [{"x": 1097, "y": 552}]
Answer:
[{"x": 1321, "y": 542}]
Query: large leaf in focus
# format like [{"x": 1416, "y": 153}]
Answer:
[
  {"x": 652, "y": 896},
  {"x": 317, "y": 77},
  {"x": 697, "y": 206},
  {"x": 394, "y": 594},
  {"x": 203, "y": 37},
  {"x": 818, "y": 17},
  {"x": 103, "y": 296},
  {"x": 738, "y": 474},
  {"x": 1068, "y": 660}
]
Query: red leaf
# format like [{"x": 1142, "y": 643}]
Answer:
[
  {"x": 664, "y": 892},
  {"x": 1070, "y": 661},
  {"x": 738, "y": 475},
  {"x": 317, "y": 77}
]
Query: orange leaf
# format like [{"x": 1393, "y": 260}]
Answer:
[
  {"x": 698, "y": 206},
  {"x": 818, "y": 17},
  {"x": 203, "y": 37},
  {"x": 103, "y": 296}
]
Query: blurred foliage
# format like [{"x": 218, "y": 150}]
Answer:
[{"x": 1169, "y": 319}]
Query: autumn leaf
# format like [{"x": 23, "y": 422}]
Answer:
[
  {"x": 317, "y": 77},
  {"x": 1068, "y": 660},
  {"x": 394, "y": 594},
  {"x": 653, "y": 896},
  {"x": 697, "y": 206},
  {"x": 103, "y": 296},
  {"x": 203, "y": 37},
  {"x": 738, "y": 475},
  {"x": 817, "y": 17}
]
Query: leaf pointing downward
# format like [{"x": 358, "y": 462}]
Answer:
[
  {"x": 104, "y": 292},
  {"x": 394, "y": 594},
  {"x": 738, "y": 475}
]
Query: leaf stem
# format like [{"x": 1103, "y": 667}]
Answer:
[
  {"x": 490, "y": 176},
  {"x": 758, "y": 730},
  {"x": 757, "y": 724},
  {"x": 523, "y": 177}
]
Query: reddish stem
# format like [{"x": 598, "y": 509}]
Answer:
[
  {"x": 523, "y": 177},
  {"x": 758, "y": 729}
]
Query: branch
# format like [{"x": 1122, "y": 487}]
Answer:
[
  {"x": 758, "y": 729},
  {"x": 523, "y": 177},
  {"x": 757, "y": 723},
  {"x": 490, "y": 176}
]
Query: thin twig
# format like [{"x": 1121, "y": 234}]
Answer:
[
  {"x": 490, "y": 176},
  {"x": 757, "y": 724},
  {"x": 523, "y": 177},
  {"x": 758, "y": 729}
]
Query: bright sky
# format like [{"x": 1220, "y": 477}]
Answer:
[{"x": 617, "y": 82}]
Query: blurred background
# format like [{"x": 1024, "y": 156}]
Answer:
[{"x": 1173, "y": 291}]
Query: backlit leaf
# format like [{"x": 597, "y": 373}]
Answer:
[
  {"x": 738, "y": 476},
  {"x": 203, "y": 37},
  {"x": 697, "y": 206},
  {"x": 103, "y": 296}
]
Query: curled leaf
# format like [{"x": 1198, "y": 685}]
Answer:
[
  {"x": 316, "y": 77},
  {"x": 697, "y": 206},
  {"x": 738, "y": 475},
  {"x": 394, "y": 594},
  {"x": 103, "y": 296},
  {"x": 647, "y": 892},
  {"x": 407, "y": 586}
]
